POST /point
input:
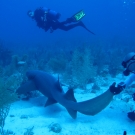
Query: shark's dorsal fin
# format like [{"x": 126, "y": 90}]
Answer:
[
  {"x": 50, "y": 101},
  {"x": 70, "y": 95},
  {"x": 58, "y": 85}
]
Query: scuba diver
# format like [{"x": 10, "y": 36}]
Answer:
[
  {"x": 47, "y": 19},
  {"x": 129, "y": 65}
]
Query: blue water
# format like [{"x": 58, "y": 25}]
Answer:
[
  {"x": 109, "y": 20},
  {"x": 113, "y": 22}
]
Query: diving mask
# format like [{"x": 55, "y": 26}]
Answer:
[{"x": 30, "y": 13}]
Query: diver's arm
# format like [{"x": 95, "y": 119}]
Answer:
[
  {"x": 122, "y": 85},
  {"x": 47, "y": 26},
  {"x": 129, "y": 80}
]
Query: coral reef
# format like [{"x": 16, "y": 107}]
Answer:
[
  {"x": 57, "y": 64},
  {"x": 6, "y": 98},
  {"x": 81, "y": 68},
  {"x": 55, "y": 127},
  {"x": 5, "y": 55},
  {"x": 29, "y": 131},
  {"x": 8, "y": 86}
]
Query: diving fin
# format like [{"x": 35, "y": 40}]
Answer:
[
  {"x": 83, "y": 25},
  {"x": 78, "y": 16}
]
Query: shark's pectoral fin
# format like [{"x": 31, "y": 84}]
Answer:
[
  {"x": 50, "y": 101},
  {"x": 73, "y": 113}
]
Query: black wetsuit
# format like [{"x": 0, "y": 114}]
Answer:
[{"x": 46, "y": 22}]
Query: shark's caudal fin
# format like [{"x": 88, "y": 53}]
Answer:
[
  {"x": 70, "y": 96},
  {"x": 89, "y": 107},
  {"x": 95, "y": 105}
]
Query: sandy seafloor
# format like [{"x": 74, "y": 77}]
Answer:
[{"x": 112, "y": 120}]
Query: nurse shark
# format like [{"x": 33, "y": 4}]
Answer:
[{"x": 50, "y": 87}]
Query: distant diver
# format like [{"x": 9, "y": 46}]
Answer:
[{"x": 47, "y": 19}]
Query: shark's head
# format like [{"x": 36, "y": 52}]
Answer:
[
  {"x": 25, "y": 89},
  {"x": 27, "y": 86},
  {"x": 21, "y": 91}
]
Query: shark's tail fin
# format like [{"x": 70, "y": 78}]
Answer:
[
  {"x": 70, "y": 96},
  {"x": 95, "y": 105}
]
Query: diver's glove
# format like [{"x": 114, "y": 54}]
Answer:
[
  {"x": 133, "y": 96},
  {"x": 115, "y": 90},
  {"x": 131, "y": 115}
]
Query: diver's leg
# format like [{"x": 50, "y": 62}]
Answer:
[
  {"x": 68, "y": 27},
  {"x": 71, "y": 26},
  {"x": 69, "y": 20},
  {"x": 63, "y": 26}
]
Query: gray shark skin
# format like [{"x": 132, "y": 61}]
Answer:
[{"x": 51, "y": 88}]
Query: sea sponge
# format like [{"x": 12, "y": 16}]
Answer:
[{"x": 55, "y": 127}]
